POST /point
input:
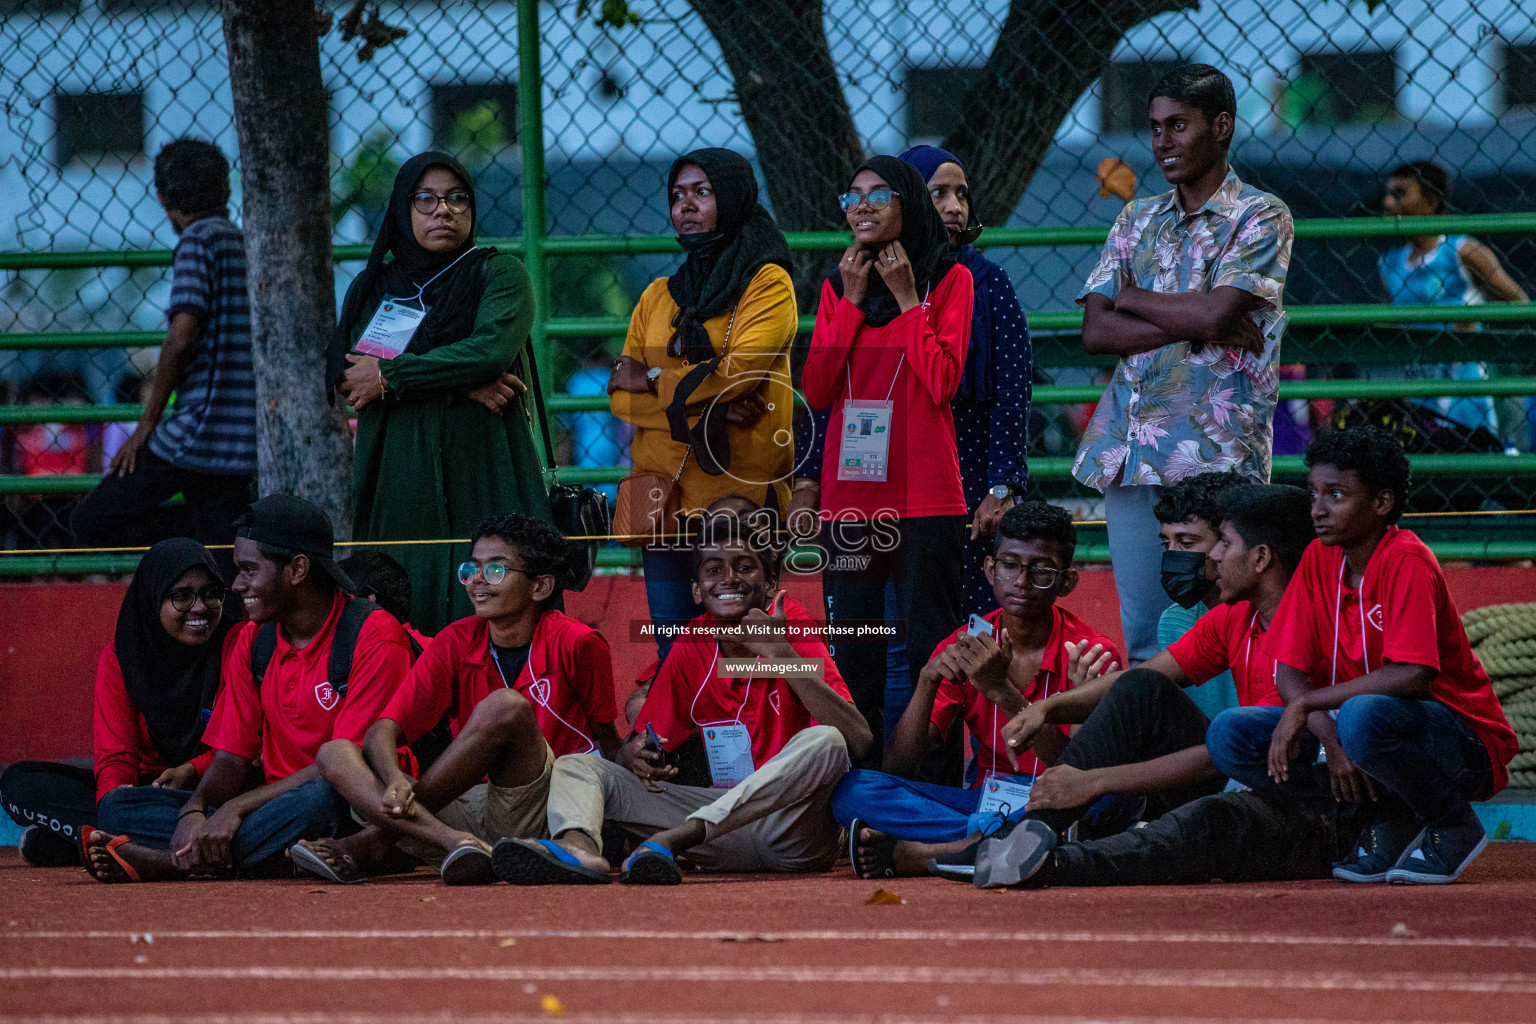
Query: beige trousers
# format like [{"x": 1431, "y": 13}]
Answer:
[{"x": 778, "y": 818}]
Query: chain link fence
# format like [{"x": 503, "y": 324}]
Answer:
[{"x": 1036, "y": 94}]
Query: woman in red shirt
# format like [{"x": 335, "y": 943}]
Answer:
[
  {"x": 887, "y": 355},
  {"x": 155, "y": 684}
]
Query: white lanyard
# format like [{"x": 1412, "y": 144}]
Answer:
[
  {"x": 710, "y": 675},
  {"x": 899, "y": 363},
  {"x": 1248, "y": 648},
  {"x": 422, "y": 290},
  {"x": 538, "y": 688},
  {"x": 993, "y": 744},
  {"x": 1338, "y": 604}
]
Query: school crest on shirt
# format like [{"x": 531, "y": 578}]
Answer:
[
  {"x": 326, "y": 694},
  {"x": 1374, "y": 617}
]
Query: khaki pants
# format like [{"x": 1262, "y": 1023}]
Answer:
[
  {"x": 778, "y": 819},
  {"x": 489, "y": 812}
]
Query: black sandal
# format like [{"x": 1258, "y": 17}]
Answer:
[{"x": 884, "y": 847}]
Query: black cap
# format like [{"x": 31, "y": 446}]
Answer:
[{"x": 297, "y": 526}]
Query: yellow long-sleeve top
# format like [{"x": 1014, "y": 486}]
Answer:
[{"x": 756, "y": 360}]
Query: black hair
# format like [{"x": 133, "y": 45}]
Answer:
[
  {"x": 1430, "y": 176},
  {"x": 1037, "y": 520},
  {"x": 542, "y": 548},
  {"x": 1373, "y": 454},
  {"x": 1278, "y": 516},
  {"x": 382, "y": 578},
  {"x": 54, "y": 386},
  {"x": 192, "y": 176},
  {"x": 1197, "y": 497},
  {"x": 1201, "y": 86},
  {"x": 724, "y": 528}
]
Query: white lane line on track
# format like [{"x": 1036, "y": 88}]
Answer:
[
  {"x": 1506, "y": 983},
  {"x": 636, "y": 1018},
  {"x": 716, "y": 935}
]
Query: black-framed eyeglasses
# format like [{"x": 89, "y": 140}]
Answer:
[
  {"x": 876, "y": 198},
  {"x": 492, "y": 572},
  {"x": 426, "y": 202},
  {"x": 183, "y": 598},
  {"x": 1041, "y": 577}
]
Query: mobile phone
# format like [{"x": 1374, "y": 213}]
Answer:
[
  {"x": 978, "y": 625},
  {"x": 652, "y": 740}
]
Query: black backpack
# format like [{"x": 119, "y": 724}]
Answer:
[{"x": 339, "y": 667}]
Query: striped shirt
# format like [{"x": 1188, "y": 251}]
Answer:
[{"x": 211, "y": 427}]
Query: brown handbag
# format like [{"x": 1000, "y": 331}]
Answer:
[{"x": 647, "y": 506}]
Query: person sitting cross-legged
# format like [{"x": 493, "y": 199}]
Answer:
[
  {"x": 312, "y": 664},
  {"x": 1376, "y": 668},
  {"x": 778, "y": 740},
  {"x": 896, "y": 824},
  {"x": 1141, "y": 735},
  {"x": 520, "y": 683}
]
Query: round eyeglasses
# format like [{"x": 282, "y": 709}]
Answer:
[
  {"x": 1041, "y": 577},
  {"x": 426, "y": 202},
  {"x": 492, "y": 572},
  {"x": 183, "y": 598},
  {"x": 877, "y": 199}
]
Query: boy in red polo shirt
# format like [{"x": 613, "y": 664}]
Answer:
[
  {"x": 286, "y": 576},
  {"x": 1375, "y": 666},
  {"x": 987, "y": 671},
  {"x": 521, "y": 684},
  {"x": 777, "y": 743}
]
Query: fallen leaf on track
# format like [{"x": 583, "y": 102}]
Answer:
[
  {"x": 318, "y": 892},
  {"x": 882, "y": 897},
  {"x": 553, "y": 1005},
  {"x": 508, "y": 942},
  {"x": 429, "y": 899},
  {"x": 1402, "y": 931}
]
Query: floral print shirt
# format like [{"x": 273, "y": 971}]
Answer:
[{"x": 1176, "y": 411}]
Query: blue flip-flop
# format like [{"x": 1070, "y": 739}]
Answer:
[
  {"x": 651, "y": 864},
  {"x": 541, "y": 862}
]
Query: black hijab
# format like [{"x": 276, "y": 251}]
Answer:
[
  {"x": 721, "y": 263},
  {"x": 923, "y": 236},
  {"x": 453, "y": 299},
  {"x": 170, "y": 683}
]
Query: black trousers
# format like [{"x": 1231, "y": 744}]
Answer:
[
  {"x": 1144, "y": 715},
  {"x": 1230, "y": 837},
  {"x": 133, "y": 509},
  {"x": 59, "y": 797},
  {"x": 922, "y": 557}
]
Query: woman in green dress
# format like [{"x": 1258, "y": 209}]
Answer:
[{"x": 443, "y": 428}]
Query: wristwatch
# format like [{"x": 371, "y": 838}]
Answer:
[
  {"x": 1001, "y": 491},
  {"x": 651, "y": 377}
]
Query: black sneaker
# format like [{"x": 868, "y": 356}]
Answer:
[
  {"x": 961, "y": 866},
  {"x": 1016, "y": 857},
  {"x": 1439, "y": 855},
  {"x": 44, "y": 848},
  {"x": 1378, "y": 849}
]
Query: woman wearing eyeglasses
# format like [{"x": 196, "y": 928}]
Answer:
[
  {"x": 424, "y": 351},
  {"x": 155, "y": 685},
  {"x": 710, "y": 344},
  {"x": 886, "y": 357}
]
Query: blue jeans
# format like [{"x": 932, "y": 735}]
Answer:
[
  {"x": 1420, "y": 750},
  {"x": 923, "y": 812},
  {"x": 669, "y": 591},
  {"x": 1138, "y": 561},
  {"x": 311, "y": 811}
]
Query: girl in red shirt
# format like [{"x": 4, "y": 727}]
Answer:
[
  {"x": 886, "y": 356},
  {"x": 155, "y": 682}
]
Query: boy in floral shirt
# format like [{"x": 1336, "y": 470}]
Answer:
[{"x": 1174, "y": 296}]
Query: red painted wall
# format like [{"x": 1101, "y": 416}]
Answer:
[{"x": 52, "y": 633}]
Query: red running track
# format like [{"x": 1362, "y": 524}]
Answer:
[{"x": 802, "y": 950}]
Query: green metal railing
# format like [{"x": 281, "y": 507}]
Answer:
[{"x": 537, "y": 249}]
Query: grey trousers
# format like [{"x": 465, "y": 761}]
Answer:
[{"x": 777, "y": 819}]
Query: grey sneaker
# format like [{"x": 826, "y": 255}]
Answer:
[
  {"x": 1016, "y": 857},
  {"x": 1378, "y": 849},
  {"x": 1439, "y": 855}
]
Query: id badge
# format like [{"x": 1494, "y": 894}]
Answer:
[
  {"x": 1004, "y": 795},
  {"x": 865, "y": 448},
  {"x": 391, "y": 328},
  {"x": 729, "y": 747}
]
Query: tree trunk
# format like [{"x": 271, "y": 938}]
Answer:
[
  {"x": 280, "y": 118},
  {"x": 1047, "y": 54},
  {"x": 795, "y": 108}
]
